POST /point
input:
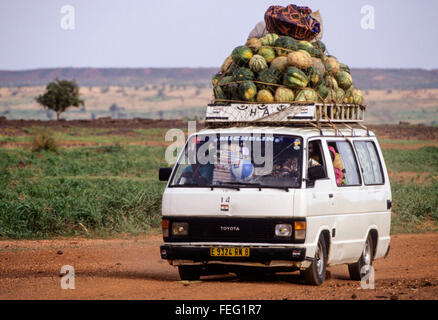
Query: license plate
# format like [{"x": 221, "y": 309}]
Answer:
[{"x": 229, "y": 252}]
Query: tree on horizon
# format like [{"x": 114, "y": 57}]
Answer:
[{"x": 60, "y": 95}]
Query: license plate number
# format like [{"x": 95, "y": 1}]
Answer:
[{"x": 229, "y": 252}]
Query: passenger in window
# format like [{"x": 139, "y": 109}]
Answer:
[
  {"x": 337, "y": 165},
  {"x": 313, "y": 156}
]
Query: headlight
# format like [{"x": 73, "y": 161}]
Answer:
[
  {"x": 283, "y": 230},
  {"x": 180, "y": 228},
  {"x": 300, "y": 230}
]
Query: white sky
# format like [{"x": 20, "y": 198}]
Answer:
[{"x": 201, "y": 33}]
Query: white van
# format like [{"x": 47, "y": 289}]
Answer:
[{"x": 320, "y": 197}]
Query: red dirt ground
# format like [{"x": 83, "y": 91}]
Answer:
[{"x": 133, "y": 269}]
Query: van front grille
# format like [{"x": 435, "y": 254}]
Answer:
[{"x": 230, "y": 229}]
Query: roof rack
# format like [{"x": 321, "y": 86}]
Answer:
[{"x": 295, "y": 113}]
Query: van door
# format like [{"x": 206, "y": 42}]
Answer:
[
  {"x": 377, "y": 191},
  {"x": 351, "y": 207},
  {"x": 319, "y": 194}
]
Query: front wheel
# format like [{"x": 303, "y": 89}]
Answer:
[
  {"x": 189, "y": 272},
  {"x": 361, "y": 268},
  {"x": 315, "y": 274}
]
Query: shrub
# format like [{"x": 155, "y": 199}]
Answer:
[{"x": 44, "y": 141}]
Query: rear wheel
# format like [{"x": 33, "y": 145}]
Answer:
[
  {"x": 315, "y": 274},
  {"x": 362, "y": 267},
  {"x": 189, "y": 272}
]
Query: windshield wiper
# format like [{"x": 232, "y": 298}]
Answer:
[
  {"x": 277, "y": 187},
  {"x": 228, "y": 186},
  {"x": 256, "y": 184},
  {"x": 211, "y": 186}
]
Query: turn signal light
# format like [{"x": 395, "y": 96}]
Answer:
[
  {"x": 165, "y": 227},
  {"x": 300, "y": 230}
]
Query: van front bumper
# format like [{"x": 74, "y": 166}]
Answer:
[{"x": 202, "y": 254}]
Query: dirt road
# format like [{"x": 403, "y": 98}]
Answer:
[{"x": 132, "y": 269}]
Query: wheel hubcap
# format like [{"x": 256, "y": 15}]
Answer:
[
  {"x": 319, "y": 260},
  {"x": 367, "y": 253}
]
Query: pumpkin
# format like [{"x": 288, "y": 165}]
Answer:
[
  {"x": 334, "y": 64},
  {"x": 344, "y": 67},
  {"x": 331, "y": 96},
  {"x": 306, "y": 46},
  {"x": 233, "y": 91},
  {"x": 319, "y": 45},
  {"x": 243, "y": 74},
  {"x": 357, "y": 96},
  {"x": 241, "y": 55},
  {"x": 225, "y": 80},
  {"x": 269, "y": 39},
  {"x": 340, "y": 94},
  {"x": 226, "y": 64},
  {"x": 215, "y": 79},
  {"x": 314, "y": 52},
  {"x": 279, "y": 63},
  {"x": 284, "y": 95},
  {"x": 267, "y": 53},
  {"x": 299, "y": 60},
  {"x": 295, "y": 78},
  {"x": 317, "y": 63},
  {"x": 307, "y": 95},
  {"x": 305, "y": 53},
  {"x": 265, "y": 96},
  {"x": 219, "y": 93},
  {"x": 331, "y": 82},
  {"x": 322, "y": 91},
  {"x": 285, "y": 42},
  {"x": 258, "y": 63},
  {"x": 268, "y": 76},
  {"x": 344, "y": 79},
  {"x": 248, "y": 91},
  {"x": 348, "y": 97},
  {"x": 315, "y": 76},
  {"x": 254, "y": 44}
]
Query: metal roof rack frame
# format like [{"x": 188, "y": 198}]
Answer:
[{"x": 299, "y": 114}]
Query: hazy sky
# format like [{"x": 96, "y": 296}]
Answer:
[{"x": 201, "y": 33}]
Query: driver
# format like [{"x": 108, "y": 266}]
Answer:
[
  {"x": 288, "y": 169},
  {"x": 198, "y": 174}
]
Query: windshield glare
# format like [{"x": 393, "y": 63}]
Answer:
[{"x": 243, "y": 160}]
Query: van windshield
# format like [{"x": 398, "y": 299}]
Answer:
[{"x": 262, "y": 161}]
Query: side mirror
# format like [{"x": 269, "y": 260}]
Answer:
[
  {"x": 316, "y": 173},
  {"x": 164, "y": 174}
]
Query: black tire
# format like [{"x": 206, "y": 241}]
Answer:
[
  {"x": 189, "y": 272},
  {"x": 315, "y": 274},
  {"x": 366, "y": 259}
]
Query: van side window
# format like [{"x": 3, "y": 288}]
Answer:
[
  {"x": 344, "y": 164},
  {"x": 369, "y": 162},
  {"x": 314, "y": 156}
]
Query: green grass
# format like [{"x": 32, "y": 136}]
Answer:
[
  {"x": 108, "y": 190},
  {"x": 424, "y": 159},
  {"x": 87, "y": 135},
  {"x": 113, "y": 188},
  {"x": 414, "y": 205},
  {"x": 406, "y": 142}
]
